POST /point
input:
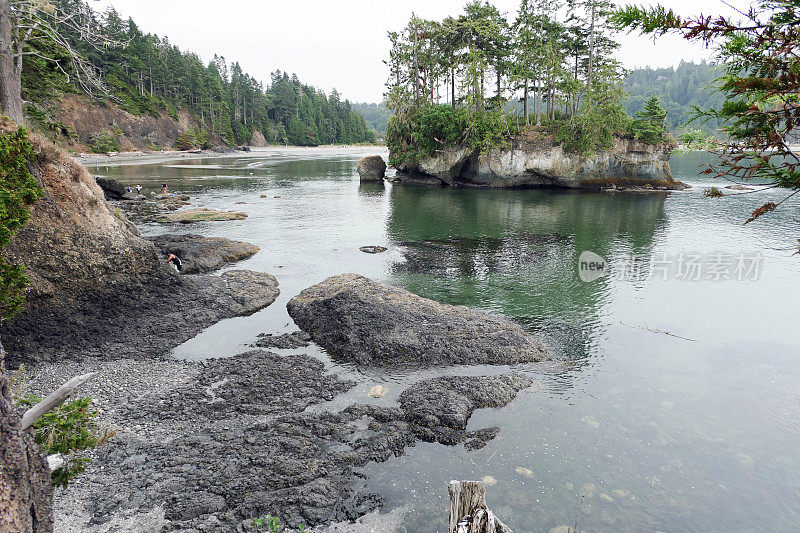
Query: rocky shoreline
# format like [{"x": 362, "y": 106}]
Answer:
[{"x": 208, "y": 446}]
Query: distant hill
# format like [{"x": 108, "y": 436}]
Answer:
[
  {"x": 376, "y": 115},
  {"x": 678, "y": 89},
  {"x": 200, "y": 103}
]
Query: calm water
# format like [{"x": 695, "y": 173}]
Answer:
[{"x": 677, "y": 406}]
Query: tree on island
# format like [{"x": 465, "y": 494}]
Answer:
[
  {"x": 567, "y": 65},
  {"x": 759, "y": 81},
  {"x": 649, "y": 124}
]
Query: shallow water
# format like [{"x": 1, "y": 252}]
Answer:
[{"x": 676, "y": 406}]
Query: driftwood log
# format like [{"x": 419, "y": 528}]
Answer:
[
  {"x": 55, "y": 399},
  {"x": 468, "y": 511}
]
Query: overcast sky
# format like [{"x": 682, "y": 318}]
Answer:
[{"x": 341, "y": 43}]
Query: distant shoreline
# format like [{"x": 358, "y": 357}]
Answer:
[{"x": 139, "y": 157}]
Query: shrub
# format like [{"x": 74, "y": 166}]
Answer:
[
  {"x": 104, "y": 142},
  {"x": 420, "y": 132},
  {"x": 185, "y": 142},
  {"x": 713, "y": 192},
  {"x": 68, "y": 430},
  {"x": 18, "y": 190}
]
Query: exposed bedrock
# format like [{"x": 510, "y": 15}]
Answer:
[
  {"x": 371, "y": 324},
  {"x": 629, "y": 163},
  {"x": 233, "y": 440},
  {"x": 201, "y": 254}
]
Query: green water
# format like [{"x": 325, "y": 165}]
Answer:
[{"x": 678, "y": 400}]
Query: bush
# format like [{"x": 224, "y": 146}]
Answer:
[
  {"x": 419, "y": 132},
  {"x": 18, "y": 190},
  {"x": 104, "y": 142},
  {"x": 185, "y": 142},
  {"x": 600, "y": 120},
  {"x": 68, "y": 430}
]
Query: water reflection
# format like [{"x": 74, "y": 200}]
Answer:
[
  {"x": 516, "y": 252},
  {"x": 660, "y": 433}
]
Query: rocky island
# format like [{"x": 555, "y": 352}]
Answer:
[{"x": 529, "y": 161}]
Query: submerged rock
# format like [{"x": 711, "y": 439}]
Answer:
[
  {"x": 202, "y": 214},
  {"x": 372, "y": 168},
  {"x": 440, "y": 408},
  {"x": 201, "y": 254},
  {"x": 357, "y": 319},
  {"x": 534, "y": 161},
  {"x": 373, "y": 249},
  {"x": 295, "y": 339}
]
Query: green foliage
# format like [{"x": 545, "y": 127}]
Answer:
[
  {"x": 104, "y": 142},
  {"x": 18, "y": 190},
  {"x": 68, "y": 430},
  {"x": 272, "y": 524},
  {"x": 713, "y": 192},
  {"x": 151, "y": 76},
  {"x": 648, "y": 126},
  {"x": 696, "y": 139},
  {"x": 420, "y": 132},
  {"x": 185, "y": 141},
  {"x": 679, "y": 90},
  {"x": 376, "y": 115},
  {"x": 600, "y": 120},
  {"x": 758, "y": 81}
]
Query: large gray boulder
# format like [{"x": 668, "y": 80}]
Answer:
[
  {"x": 360, "y": 320},
  {"x": 372, "y": 168},
  {"x": 201, "y": 254}
]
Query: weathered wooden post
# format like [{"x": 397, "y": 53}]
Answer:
[{"x": 468, "y": 512}]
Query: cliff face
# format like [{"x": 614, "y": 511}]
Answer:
[
  {"x": 75, "y": 242},
  {"x": 628, "y": 164},
  {"x": 100, "y": 290}
]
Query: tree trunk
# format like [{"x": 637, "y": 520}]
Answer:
[
  {"x": 525, "y": 103},
  {"x": 453, "y": 85},
  {"x": 468, "y": 512},
  {"x": 10, "y": 71},
  {"x": 591, "y": 53},
  {"x": 26, "y": 495}
]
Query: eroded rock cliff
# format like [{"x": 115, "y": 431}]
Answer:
[
  {"x": 541, "y": 162},
  {"x": 98, "y": 288}
]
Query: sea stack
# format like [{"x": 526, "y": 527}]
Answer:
[{"x": 372, "y": 168}]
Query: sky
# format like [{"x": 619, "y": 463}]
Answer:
[{"x": 341, "y": 44}]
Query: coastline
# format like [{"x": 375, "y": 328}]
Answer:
[{"x": 145, "y": 157}]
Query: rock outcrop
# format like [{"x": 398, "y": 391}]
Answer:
[
  {"x": 541, "y": 162},
  {"x": 114, "y": 190},
  {"x": 372, "y": 168},
  {"x": 201, "y": 254},
  {"x": 359, "y": 320},
  {"x": 198, "y": 446},
  {"x": 26, "y": 495},
  {"x": 100, "y": 290}
]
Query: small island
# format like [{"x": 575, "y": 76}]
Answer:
[{"x": 562, "y": 132}]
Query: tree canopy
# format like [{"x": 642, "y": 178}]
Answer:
[
  {"x": 149, "y": 75},
  {"x": 759, "y": 80},
  {"x": 561, "y": 60}
]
